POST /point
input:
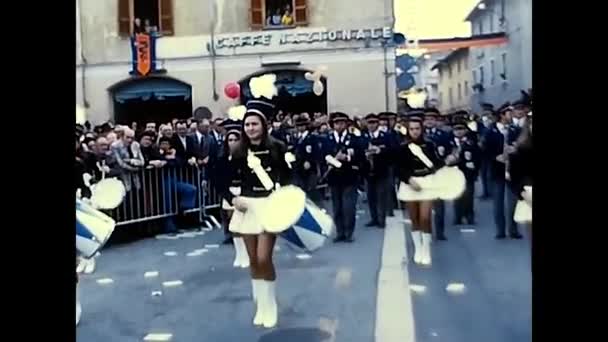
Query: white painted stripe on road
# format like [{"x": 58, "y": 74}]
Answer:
[
  {"x": 104, "y": 281},
  {"x": 158, "y": 337},
  {"x": 151, "y": 274},
  {"x": 394, "y": 312}
]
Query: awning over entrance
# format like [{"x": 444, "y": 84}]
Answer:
[{"x": 145, "y": 89}]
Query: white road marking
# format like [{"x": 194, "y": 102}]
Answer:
[
  {"x": 166, "y": 237},
  {"x": 157, "y": 293},
  {"x": 151, "y": 274},
  {"x": 394, "y": 312},
  {"x": 455, "y": 288},
  {"x": 104, "y": 281},
  {"x": 187, "y": 235},
  {"x": 171, "y": 253},
  {"x": 158, "y": 337},
  {"x": 212, "y": 246},
  {"x": 303, "y": 256},
  {"x": 419, "y": 289},
  {"x": 195, "y": 253},
  {"x": 173, "y": 283},
  {"x": 467, "y": 230},
  {"x": 434, "y": 334}
]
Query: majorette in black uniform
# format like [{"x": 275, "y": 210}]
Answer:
[
  {"x": 441, "y": 139},
  {"x": 408, "y": 166},
  {"x": 377, "y": 146},
  {"x": 343, "y": 180},
  {"x": 271, "y": 154}
]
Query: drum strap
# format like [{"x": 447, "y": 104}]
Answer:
[{"x": 417, "y": 151}]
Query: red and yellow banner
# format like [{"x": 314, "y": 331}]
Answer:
[{"x": 144, "y": 57}]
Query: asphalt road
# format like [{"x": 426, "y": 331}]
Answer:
[
  {"x": 329, "y": 297},
  {"x": 496, "y": 304}
]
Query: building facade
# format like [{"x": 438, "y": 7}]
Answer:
[
  {"x": 205, "y": 45},
  {"x": 500, "y": 72},
  {"x": 454, "y": 81}
]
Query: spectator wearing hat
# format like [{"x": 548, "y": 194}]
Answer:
[
  {"x": 498, "y": 145},
  {"x": 377, "y": 151},
  {"x": 308, "y": 156},
  {"x": 441, "y": 140},
  {"x": 468, "y": 160},
  {"x": 343, "y": 178}
]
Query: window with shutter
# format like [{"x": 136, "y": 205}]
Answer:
[
  {"x": 125, "y": 26},
  {"x": 165, "y": 10},
  {"x": 301, "y": 12},
  {"x": 257, "y": 14}
]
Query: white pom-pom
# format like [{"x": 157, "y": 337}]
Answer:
[
  {"x": 237, "y": 113},
  {"x": 264, "y": 86},
  {"x": 472, "y": 126},
  {"x": 81, "y": 115},
  {"x": 318, "y": 88},
  {"x": 416, "y": 99}
]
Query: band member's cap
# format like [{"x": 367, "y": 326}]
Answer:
[
  {"x": 387, "y": 115},
  {"x": 302, "y": 121},
  {"x": 371, "y": 117},
  {"x": 339, "y": 116},
  {"x": 261, "y": 107},
  {"x": 431, "y": 112},
  {"x": 487, "y": 106},
  {"x": 459, "y": 122}
]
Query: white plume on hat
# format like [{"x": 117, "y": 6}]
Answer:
[
  {"x": 237, "y": 113},
  {"x": 263, "y": 86},
  {"x": 81, "y": 114}
]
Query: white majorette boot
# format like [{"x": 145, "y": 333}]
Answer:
[
  {"x": 90, "y": 265},
  {"x": 237, "y": 251},
  {"x": 271, "y": 310},
  {"x": 81, "y": 265},
  {"x": 259, "y": 296},
  {"x": 426, "y": 249},
  {"x": 417, "y": 238},
  {"x": 78, "y": 306},
  {"x": 243, "y": 257}
]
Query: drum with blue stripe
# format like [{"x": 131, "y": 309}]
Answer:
[
  {"x": 93, "y": 229},
  {"x": 312, "y": 229}
]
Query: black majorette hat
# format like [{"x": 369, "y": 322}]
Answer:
[
  {"x": 261, "y": 107},
  {"x": 415, "y": 115},
  {"x": 338, "y": 116},
  {"x": 487, "y": 106},
  {"x": 302, "y": 121},
  {"x": 232, "y": 126},
  {"x": 371, "y": 117}
]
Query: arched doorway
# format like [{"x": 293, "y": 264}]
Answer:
[
  {"x": 295, "y": 93},
  {"x": 154, "y": 98}
]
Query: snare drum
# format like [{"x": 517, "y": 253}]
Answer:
[
  {"x": 312, "y": 229},
  {"x": 93, "y": 229}
]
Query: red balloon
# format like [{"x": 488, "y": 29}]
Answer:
[{"x": 232, "y": 90}]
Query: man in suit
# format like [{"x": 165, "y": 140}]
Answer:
[
  {"x": 182, "y": 142},
  {"x": 499, "y": 142},
  {"x": 344, "y": 177}
]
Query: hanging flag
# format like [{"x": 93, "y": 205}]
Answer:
[{"x": 144, "y": 58}]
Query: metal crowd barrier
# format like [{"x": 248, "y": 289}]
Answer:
[{"x": 157, "y": 193}]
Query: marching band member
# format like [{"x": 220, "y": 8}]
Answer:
[
  {"x": 499, "y": 144},
  {"x": 468, "y": 159},
  {"x": 520, "y": 164},
  {"x": 441, "y": 140},
  {"x": 344, "y": 156},
  {"x": 410, "y": 166},
  {"x": 487, "y": 119},
  {"x": 257, "y": 146},
  {"x": 229, "y": 177},
  {"x": 308, "y": 155},
  {"x": 388, "y": 120},
  {"x": 377, "y": 144}
]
